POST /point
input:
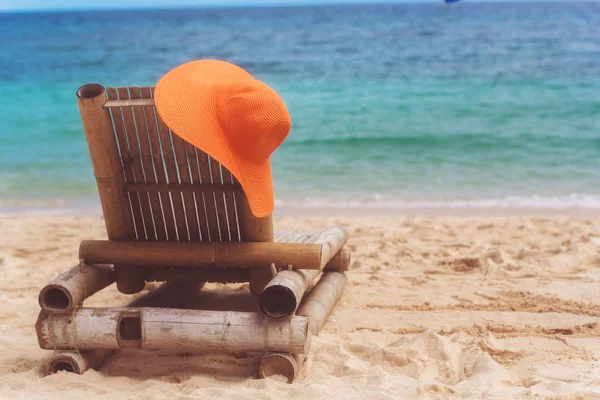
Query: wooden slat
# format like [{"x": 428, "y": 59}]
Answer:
[
  {"x": 191, "y": 211},
  {"x": 147, "y": 164},
  {"x": 238, "y": 209},
  {"x": 119, "y": 126},
  {"x": 129, "y": 103},
  {"x": 240, "y": 198},
  {"x": 136, "y": 164},
  {"x": 181, "y": 188},
  {"x": 302, "y": 237},
  {"x": 159, "y": 167},
  {"x": 293, "y": 236},
  {"x": 228, "y": 181},
  {"x": 209, "y": 199},
  {"x": 229, "y": 199},
  {"x": 280, "y": 236},
  {"x": 285, "y": 236},
  {"x": 215, "y": 174},
  {"x": 204, "y": 200},
  {"x": 171, "y": 171},
  {"x": 191, "y": 156}
]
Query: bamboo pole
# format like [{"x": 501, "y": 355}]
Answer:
[
  {"x": 332, "y": 241},
  {"x": 340, "y": 262},
  {"x": 281, "y": 364},
  {"x": 322, "y": 299},
  {"x": 108, "y": 171},
  {"x": 166, "y": 328},
  {"x": 106, "y": 162},
  {"x": 317, "y": 307},
  {"x": 70, "y": 289},
  {"x": 232, "y": 332},
  {"x": 202, "y": 254},
  {"x": 172, "y": 294},
  {"x": 77, "y": 362},
  {"x": 254, "y": 229},
  {"x": 282, "y": 295}
]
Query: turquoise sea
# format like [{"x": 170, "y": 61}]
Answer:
[{"x": 393, "y": 106}]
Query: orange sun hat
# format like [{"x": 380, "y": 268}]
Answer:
[{"x": 236, "y": 119}]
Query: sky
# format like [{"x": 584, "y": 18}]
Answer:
[{"x": 18, "y": 5}]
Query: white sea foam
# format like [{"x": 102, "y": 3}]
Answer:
[
  {"x": 510, "y": 202},
  {"x": 374, "y": 201},
  {"x": 49, "y": 207}
]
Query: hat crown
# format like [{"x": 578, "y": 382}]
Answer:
[
  {"x": 232, "y": 117},
  {"x": 254, "y": 119}
]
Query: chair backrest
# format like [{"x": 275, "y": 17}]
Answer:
[{"x": 176, "y": 192}]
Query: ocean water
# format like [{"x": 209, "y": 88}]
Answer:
[{"x": 400, "y": 106}]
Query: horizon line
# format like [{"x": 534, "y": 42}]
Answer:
[{"x": 274, "y": 5}]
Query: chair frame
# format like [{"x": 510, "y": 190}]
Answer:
[{"x": 174, "y": 214}]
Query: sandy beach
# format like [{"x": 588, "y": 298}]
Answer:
[
  {"x": 437, "y": 307},
  {"x": 457, "y": 144}
]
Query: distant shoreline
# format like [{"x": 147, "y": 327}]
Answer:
[
  {"x": 438, "y": 212},
  {"x": 574, "y": 205},
  {"x": 356, "y": 212}
]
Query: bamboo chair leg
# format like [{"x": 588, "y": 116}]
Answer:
[
  {"x": 255, "y": 229},
  {"x": 284, "y": 365},
  {"x": 77, "y": 362},
  {"x": 317, "y": 306},
  {"x": 130, "y": 279}
]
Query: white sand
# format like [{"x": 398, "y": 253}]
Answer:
[{"x": 470, "y": 307}]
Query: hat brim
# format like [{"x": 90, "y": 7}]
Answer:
[{"x": 191, "y": 114}]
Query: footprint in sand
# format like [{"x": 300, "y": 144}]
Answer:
[
  {"x": 431, "y": 357},
  {"x": 17, "y": 365},
  {"x": 466, "y": 264},
  {"x": 22, "y": 253}
]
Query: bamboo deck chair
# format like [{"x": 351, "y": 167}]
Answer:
[{"x": 173, "y": 214}]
